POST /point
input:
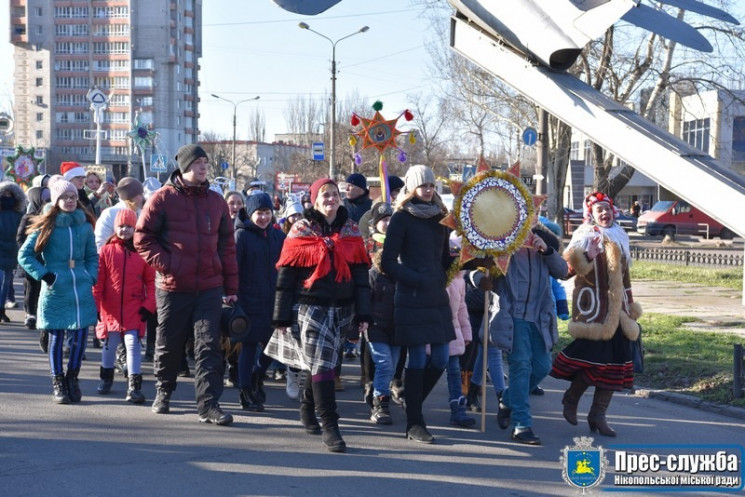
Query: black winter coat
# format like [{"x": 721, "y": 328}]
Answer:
[
  {"x": 324, "y": 291},
  {"x": 416, "y": 255},
  {"x": 257, "y": 252},
  {"x": 9, "y": 221},
  {"x": 382, "y": 292},
  {"x": 357, "y": 207}
]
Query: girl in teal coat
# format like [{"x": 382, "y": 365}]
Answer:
[{"x": 63, "y": 236}]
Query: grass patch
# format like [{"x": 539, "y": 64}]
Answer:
[
  {"x": 727, "y": 278},
  {"x": 681, "y": 360}
]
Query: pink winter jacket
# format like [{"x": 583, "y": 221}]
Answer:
[{"x": 457, "y": 293}]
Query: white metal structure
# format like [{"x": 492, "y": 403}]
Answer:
[{"x": 685, "y": 171}]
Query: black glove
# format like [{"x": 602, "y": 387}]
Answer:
[
  {"x": 144, "y": 314},
  {"x": 49, "y": 278}
]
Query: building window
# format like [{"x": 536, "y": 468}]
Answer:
[
  {"x": 39, "y": 64},
  {"x": 574, "y": 151},
  {"x": 38, "y": 12},
  {"x": 738, "y": 140},
  {"x": 39, "y": 100},
  {"x": 39, "y": 29},
  {"x": 39, "y": 81},
  {"x": 39, "y": 117},
  {"x": 696, "y": 133},
  {"x": 39, "y": 134},
  {"x": 588, "y": 153}
]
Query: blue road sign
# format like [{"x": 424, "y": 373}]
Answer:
[
  {"x": 318, "y": 151},
  {"x": 158, "y": 163},
  {"x": 224, "y": 165},
  {"x": 530, "y": 136}
]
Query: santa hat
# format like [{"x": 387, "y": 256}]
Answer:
[
  {"x": 125, "y": 217},
  {"x": 71, "y": 170}
]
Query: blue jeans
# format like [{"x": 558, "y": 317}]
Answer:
[
  {"x": 529, "y": 363},
  {"x": 385, "y": 358},
  {"x": 438, "y": 358},
  {"x": 455, "y": 389},
  {"x": 6, "y": 282},
  {"x": 496, "y": 370}
]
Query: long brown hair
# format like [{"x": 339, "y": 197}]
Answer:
[{"x": 45, "y": 223}]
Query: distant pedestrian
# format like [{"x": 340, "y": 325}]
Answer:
[
  {"x": 604, "y": 315},
  {"x": 37, "y": 197},
  {"x": 636, "y": 209},
  {"x": 185, "y": 233},
  {"x": 63, "y": 237},
  {"x": 12, "y": 208},
  {"x": 125, "y": 297}
]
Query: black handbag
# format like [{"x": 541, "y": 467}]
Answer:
[
  {"x": 234, "y": 323},
  {"x": 637, "y": 353}
]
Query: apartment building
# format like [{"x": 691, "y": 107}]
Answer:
[{"x": 141, "y": 54}]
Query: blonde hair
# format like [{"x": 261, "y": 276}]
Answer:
[{"x": 406, "y": 196}]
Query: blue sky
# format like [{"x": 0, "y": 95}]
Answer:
[{"x": 255, "y": 48}]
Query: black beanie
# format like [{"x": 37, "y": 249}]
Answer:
[
  {"x": 258, "y": 201},
  {"x": 188, "y": 154},
  {"x": 395, "y": 183},
  {"x": 379, "y": 211}
]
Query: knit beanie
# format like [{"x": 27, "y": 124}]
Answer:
[
  {"x": 316, "y": 186},
  {"x": 358, "y": 180},
  {"x": 125, "y": 217},
  {"x": 395, "y": 183},
  {"x": 71, "y": 170},
  {"x": 418, "y": 175},
  {"x": 293, "y": 208},
  {"x": 258, "y": 201},
  {"x": 188, "y": 154},
  {"x": 59, "y": 188},
  {"x": 128, "y": 188},
  {"x": 380, "y": 211}
]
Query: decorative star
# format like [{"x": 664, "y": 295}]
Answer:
[
  {"x": 141, "y": 135},
  {"x": 23, "y": 166}
]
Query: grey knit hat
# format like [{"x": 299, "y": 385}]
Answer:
[
  {"x": 188, "y": 154},
  {"x": 416, "y": 176}
]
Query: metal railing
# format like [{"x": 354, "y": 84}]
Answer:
[{"x": 688, "y": 257}]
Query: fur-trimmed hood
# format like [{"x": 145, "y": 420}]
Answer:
[{"x": 18, "y": 195}]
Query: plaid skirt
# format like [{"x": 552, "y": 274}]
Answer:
[{"x": 314, "y": 342}]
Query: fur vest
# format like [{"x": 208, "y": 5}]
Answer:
[{"x": 602, "y": 298}]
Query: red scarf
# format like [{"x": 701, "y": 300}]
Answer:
[{"x": 309, "y": 251}]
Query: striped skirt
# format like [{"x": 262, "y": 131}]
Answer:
[
  {"x": 314, "y": 342},
  {"x": 601, "y": 363}
]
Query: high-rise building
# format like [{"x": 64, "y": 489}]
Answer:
[{"x": 141, "y": 54}]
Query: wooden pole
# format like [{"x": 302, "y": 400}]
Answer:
[{"x": 484, "y": 350}]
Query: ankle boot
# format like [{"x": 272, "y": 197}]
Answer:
[
  {"x": 73, "y": 386},
  {"x": 416, "y": 429},
  {"x": 134, "y": 392},
  {"x": 59, "y": 390},
  {"x": 596, "y": 416},
  {"x": 571, "y": 399},
  {"x": 324, "y": 396},
  {"x": 381, "y": 414},
  {"x": 458, "y": 416},
  {"x": 472, "y": 397},
  {"x": 308, "y": 411},
  {"x": 257, "y": 387},
  {"x": 248, "y": 400},
  {"x": 107, "y": 380},
  {"x": 397, "y": 392}
]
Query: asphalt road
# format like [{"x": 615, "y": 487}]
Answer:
[{"x": 107, "y": 447}]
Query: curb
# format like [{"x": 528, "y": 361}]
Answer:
[{"x": 690, "y": 401}]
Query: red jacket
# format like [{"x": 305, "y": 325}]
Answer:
[
  {"x": 125, "y": 283},
  {"x": 186, "y": 234}
]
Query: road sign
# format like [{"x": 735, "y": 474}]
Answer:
[
  {"x": 318, "y": 151},
  {"x": 224, "y": 165},
  {"x": 530, "y": 136},
  {"x": 158, "y": 163},
  {"x": 96, "y": 97}
]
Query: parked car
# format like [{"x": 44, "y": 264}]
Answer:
[
  {"x": 572, "y": 219},
  {"x": 671, "y": 217},
  {"x": 627, "y": 222}
]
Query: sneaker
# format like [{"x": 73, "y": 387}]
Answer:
[
  {"x": 184, "y": 373},
  {"x": 10, "y": 305},
  {"x": 216, "y": 416},
  {"x": 350, "y": 354},
  {"x": 280, "y": 375},
  {"x": 30, "y": 322},
  {"x": 293, "y": 385}
]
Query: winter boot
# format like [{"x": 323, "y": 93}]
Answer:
[
  {"x": 73, "y": 387},
  {"x": 121, "y": 360},
  {"x": 596, "y": 416},
  {"x": 397, "y": 392},
  {"x": 458, "y": 416},
  {"x": 324, "y": 396},
  {"x": 571, "y": 399},
  {"x": 308, "y": 411},
  {"x": 367, "y": 396},
  {"x": 472, "y": 397},
  {"x": 248, "y": 400},
  {"x": 107, "y": 380},
  {"x": 257, "y": 387},
  {"x": 381, "y": 414},
  {"x": 134, "y": 392},
  {"x": 161, "y": 404},
  {"x": 416, "y": 429},
  {"x": 59, "y": 390}
]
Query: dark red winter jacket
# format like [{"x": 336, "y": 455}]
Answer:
[
  {"x": 125, "y": 283},
  {"x": 186, "y": 234}
]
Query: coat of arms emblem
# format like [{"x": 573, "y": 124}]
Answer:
[{"x": 583, "y": 466}]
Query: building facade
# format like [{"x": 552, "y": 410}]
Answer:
[{"x": 141, "y": 54}]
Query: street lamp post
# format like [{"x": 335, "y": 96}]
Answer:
[
  {"x": 332, "y": 132},
  {"x": 235, "y": 109}
]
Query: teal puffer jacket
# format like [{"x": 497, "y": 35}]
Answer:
[{"x": 71, "y": 254}]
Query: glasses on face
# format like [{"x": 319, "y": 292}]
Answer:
[{"x": 68, "y": 198}]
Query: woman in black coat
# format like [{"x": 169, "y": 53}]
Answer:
[
  {"x": 416, "y": 255},
  {"x": 12, "y": 207}
]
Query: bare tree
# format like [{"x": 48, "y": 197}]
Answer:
[{"x": 257, "y": 126}]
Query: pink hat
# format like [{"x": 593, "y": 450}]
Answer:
[
  {"x": 71, "y": 170},
  {"x": 125, "y": 217},
  {"x": 59, "y": 188}
]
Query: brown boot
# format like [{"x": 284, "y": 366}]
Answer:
[
  {"x": 596, "y": 416},
  {"x": 571, "y": 399}
]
